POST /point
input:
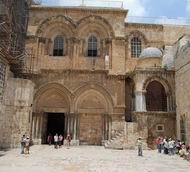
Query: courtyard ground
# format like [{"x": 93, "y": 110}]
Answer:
[{"x": 89, "y": 159}]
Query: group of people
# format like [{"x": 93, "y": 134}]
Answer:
[
  {"x": 25, "y": 144},
  {"x": 171, "y": 147},
  {"x": 58, "y": 140}
]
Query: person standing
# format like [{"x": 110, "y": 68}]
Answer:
[
  {"x": 22, "y": 142},
  {"x": 49, "y": 139},
  {"x": 60, "y": 140},
  {"x": 166, "y": 146},
  {"x": 159, "y": 142},
  {"x": 68, "y": 138},
  {"x": 56, "y": 141},
  {"x": 139, "y": 144},
  {"x": 27, "y": 145}
]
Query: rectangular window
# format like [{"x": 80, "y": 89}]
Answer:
[
  {"x": 92, "y": 53},
  {"x": 160, "y": 128}
]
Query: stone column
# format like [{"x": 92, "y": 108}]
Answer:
[
  {"x": 72, "y": 125},
  {"x": 40, "y": 128},
  {"x": 109, "y": 127},
  {"x": 140, "y": 103},
  {"x": 33, "y": 127},
  {"x": 169, "y": 105},
  {"x": 103, "y": 127},
  {"x": 37, "y": 128},
  {"x": 75, "y": 128},
  {"x": 66, "y": 125}
]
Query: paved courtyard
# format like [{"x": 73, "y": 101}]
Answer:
[{"x": 89, "y": 159}]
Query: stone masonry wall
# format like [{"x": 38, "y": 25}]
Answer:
[
  {"x": 15, "y": 119},
  {"x": 182, "y": 65}
]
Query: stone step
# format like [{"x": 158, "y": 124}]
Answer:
[{"x": 116, "y": 142}]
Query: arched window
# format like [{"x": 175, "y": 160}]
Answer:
[
  {"x": 156, "y": 98},
  {"x": 136, "y": 47},
  {"x": 92, "y": 46},
  {"x": 58, "y": 49}
]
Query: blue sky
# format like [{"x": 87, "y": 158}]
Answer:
[{"x": 160, "y": 10}]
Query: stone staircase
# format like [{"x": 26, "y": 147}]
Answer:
[
  {"x": 127, "y": 138},
  {"x": 116, "y": 142}
]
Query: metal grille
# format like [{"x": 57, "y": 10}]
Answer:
[
  {"x": 136, "y": 47},
  {"x": 92, "y": 46}
]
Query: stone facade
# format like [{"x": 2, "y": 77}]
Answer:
[
  {"x": 182, "y": 88},
  {"x": 111, "y": 99}
]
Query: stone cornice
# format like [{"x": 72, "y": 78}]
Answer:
[
  {"x": 154, "y": 71},
  {"x": 140, "y": 25},
  {"x": 80, "y": 9},
  {"x": 77, "y": 72}
]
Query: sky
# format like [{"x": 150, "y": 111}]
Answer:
[{"x": 158, "y": 11}]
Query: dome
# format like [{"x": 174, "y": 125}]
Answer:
[{"x": 151, "y": 52}]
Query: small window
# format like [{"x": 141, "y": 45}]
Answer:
[
  {"x": 92, "y": 47},
  {"x": 58, "y": 49},
  {"x": 160, "y": 128},
  {"x": 136, "y": 47}
]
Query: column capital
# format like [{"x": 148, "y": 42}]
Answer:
[{"x": 140, "y": 92}]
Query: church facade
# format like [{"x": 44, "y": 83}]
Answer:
[{"x": 96, "y": 76}]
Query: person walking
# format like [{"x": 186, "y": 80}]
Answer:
[
  {"x": 139, "y": 144},
  {"x": 22, "y": 142},
  {"x": 56, "y": 141}
]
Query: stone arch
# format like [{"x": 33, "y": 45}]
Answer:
[
  {"x": 96, "y": 24},
  {"x": 97, "y": 95},
  {"x": 161, "y": 80},
  {"x": 61, "y": 20},
  {"x": 52, "y": 96},
  {"x": 136, "y": 33}
]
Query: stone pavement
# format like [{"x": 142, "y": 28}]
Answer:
[{"x": 89, "y": 159}]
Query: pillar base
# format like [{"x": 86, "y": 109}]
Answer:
[
  {"x": 37, "y": 141},
  {"x": 73, "y": 142}
]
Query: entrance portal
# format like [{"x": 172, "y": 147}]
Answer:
[{"x": 55, "y": 123}]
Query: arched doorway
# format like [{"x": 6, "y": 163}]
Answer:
[
  {"x": 93, "y": 107},
  {"x": 156, "y": 98},
  {"x": 50, "y": 111}
]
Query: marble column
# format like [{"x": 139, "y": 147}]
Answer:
[
  {"x": 109, "y": 127},
  {"x": 140, "y": 101},
  {"x": 40, "y": 128},
  {"x": 75, "y": 128},
  {"x": 33, "y": 127}
]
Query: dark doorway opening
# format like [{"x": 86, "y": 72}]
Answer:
[
  {"x": 55, "y": 123},
  {"x": 156, "y": 98}
]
